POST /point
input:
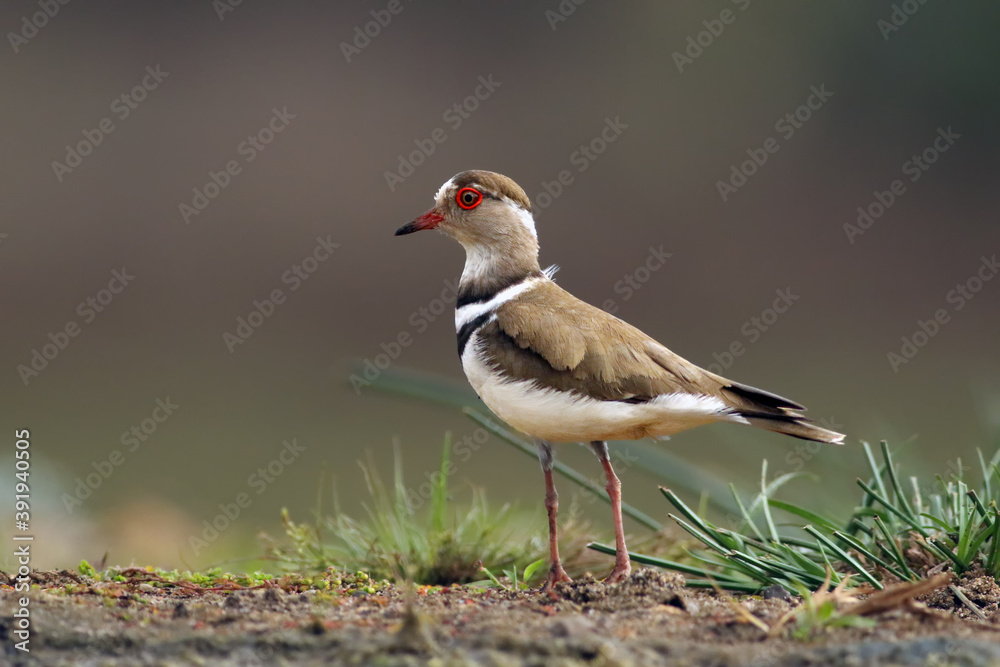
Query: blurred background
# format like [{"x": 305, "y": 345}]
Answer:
[{"x": 151, "y": 404}]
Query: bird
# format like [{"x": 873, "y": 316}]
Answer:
[{"x": 561, "y": 370}]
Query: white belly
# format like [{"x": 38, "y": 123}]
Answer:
[{"x": 561, "y": 416}]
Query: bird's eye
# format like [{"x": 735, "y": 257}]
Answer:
[{"x": 469, "y": 198}]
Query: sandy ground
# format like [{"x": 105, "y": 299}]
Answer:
[{"x": 649, "y": 619}]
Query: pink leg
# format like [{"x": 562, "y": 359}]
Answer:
[
  {"x": 556, "y": 572},
  {"x": 614, "y": 488}
]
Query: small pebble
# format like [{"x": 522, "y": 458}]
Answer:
[
  {"x": 181, "y": 611},
  {"x": 777, "y": 592},
  {"x": 315, "y": 627}
]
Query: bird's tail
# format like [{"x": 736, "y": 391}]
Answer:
[
  {"x": 774, "y": 413},
  {"x": 798, "y": 428}
]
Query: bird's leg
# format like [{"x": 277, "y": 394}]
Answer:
[
  {"x": 556, "y": 572},
  {"x": 614, "y": 488}
]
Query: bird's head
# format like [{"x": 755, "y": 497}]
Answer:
[{"x": 480, "y": 209}]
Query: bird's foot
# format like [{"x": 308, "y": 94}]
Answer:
[
  {"x": 620, "y": 573},
  {"x": 556, "y": 574}
]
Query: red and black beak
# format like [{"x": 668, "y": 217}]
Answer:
[{"x": 429, "y": 220}]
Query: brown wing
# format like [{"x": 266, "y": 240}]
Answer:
[
  {"x": 552, "y": 337},
  {"x": 549, "y": 336}
]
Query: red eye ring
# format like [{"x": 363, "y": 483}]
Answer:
[{"x": 468, "y": 202}]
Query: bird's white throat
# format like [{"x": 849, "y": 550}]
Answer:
[{"x": 481, "y": 262}]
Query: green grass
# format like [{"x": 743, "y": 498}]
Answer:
[
  {"x": 218, "y": 579},
  {"x": 440, "y": 542},
  {"x": 821, "y": 611},
  {"x": 898, "y": 532},
  {"x": 517, "y": 583}
]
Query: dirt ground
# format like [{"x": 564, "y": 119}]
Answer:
[{"x": 649, "y": 619}]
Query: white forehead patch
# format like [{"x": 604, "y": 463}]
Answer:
[{"x": 443, "y": 189}]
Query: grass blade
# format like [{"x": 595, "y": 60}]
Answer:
[
  {"x": 767, "y": 510},
  {"x": 692, "y": 517},
  {"x": 903, "y": 575},
  {"x": 897, "y": 488},
  {"x": 811, "y": 517},
  {"x": 986, "y": 473},
  {"x": 993, "y": 557},
  {"x": 747, "y": 519},
  {"x": 666, "y": 564},
  {"x": 893, "y": 548},
  {"x": 439, "y": 492},
  {"x": 913, "y": 524},
  {"x": 844, "y": 556}
]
